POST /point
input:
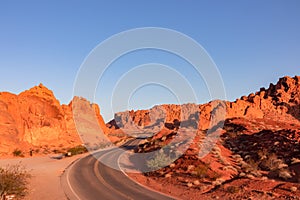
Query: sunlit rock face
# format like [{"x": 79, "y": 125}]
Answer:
[
  {"x": 35, "y": 119},
  {"x": 279, "y": 102}
]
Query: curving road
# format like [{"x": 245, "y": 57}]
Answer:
[{"x": 89, "y": 179}]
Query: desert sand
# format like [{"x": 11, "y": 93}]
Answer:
[{"x": 46, "y": 172}]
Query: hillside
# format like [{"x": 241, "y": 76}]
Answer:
[{"x": 250, "y": 149}]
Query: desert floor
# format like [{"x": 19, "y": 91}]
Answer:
[{"x": 46, "y": 172}]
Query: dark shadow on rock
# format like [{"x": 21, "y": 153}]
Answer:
[
  {"x": 157, "y": 123},
  {"x": 130, "y": 145},
  {"x": 294, "y": 111},
  {"x": 278, "y": 142},
  {"x": 282, "y": 143}
]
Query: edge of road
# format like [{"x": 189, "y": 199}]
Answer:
[
  {"x": 144, "y": 186},
  {"x": 64, "y": 181},
  {"x": 69, "y": 192}
]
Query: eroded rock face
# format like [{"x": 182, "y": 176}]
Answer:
[
  {"x": 36, "y": 119},
  {"x": 279, "y": 102}
]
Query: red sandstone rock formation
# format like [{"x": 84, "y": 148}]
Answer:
[
  {"x": 280, "y": 102},
  {"x": 258, "y": 148},
  {"x": 35, "y": 119}
]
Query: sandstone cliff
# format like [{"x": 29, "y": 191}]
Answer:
[{"x": 35, "y": 119}]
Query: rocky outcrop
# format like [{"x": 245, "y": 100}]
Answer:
[
  {"x": 35, "y": 119},
  {"x": 280, "y": 102},
  {"x": 256, "y": 140}
]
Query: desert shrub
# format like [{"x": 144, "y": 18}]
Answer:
[
  {"x": 13, "y": 181},
  {"x": 56, "y": 151},
  {"x": 18, "y": 153},
  {"x": 232, "y": 189},
  {"x": 284, "y": 174},
  {"x": 251, "y": 166},
  {"x": 262, "y": 154},
  {"x": 159, "y": 160},
  {"x": 77, "y": 150},
  {"x": 276, "y": 167},
  {"x": 215, "y": 175},
  {"x": 271, "y": 163},
  {"x": 295, "y": 160},
  {"x": 201, "y": 171}
]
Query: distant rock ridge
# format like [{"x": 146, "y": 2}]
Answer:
[
  {"x": 279, "y": 102},
  {"x": 35, "y": 119}
]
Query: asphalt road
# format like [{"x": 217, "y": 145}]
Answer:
[{"x": 89, "y": 179}]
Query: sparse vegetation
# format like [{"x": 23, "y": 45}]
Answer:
[
  {"x": 271, "y": 162},
  {"x": 250, "y": 166},
  {"x": 268, "y": 162},
  {"x": 56, "y": 151},
  {"x": 295, "y": 161},
  {"x": 284, "y": 174},
  {"x": 18, "y": 153},
  {"x": 13, "y": 181},
  {"x": 232, "y": 189},
  {"x": 77, "y": 150},
  {"x": 201, "y": 171},
  {"x": 160, "y": 160}
]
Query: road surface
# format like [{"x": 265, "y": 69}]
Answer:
[{"x": 89, "y": 179}]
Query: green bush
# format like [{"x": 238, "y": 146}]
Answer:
[
  {"x": 160, "y": 160},
  {"x": 13, "y": 181},
  {"x": 232, "y": 189},
  {"x": 201, "y": 171},
  {"x": 77, "y": 150},
  {"x": 18, "y": 153}
]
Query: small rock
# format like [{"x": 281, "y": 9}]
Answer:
[
  {"x": 168, "y": 175},
  {"x": 218, "y": 182},
  {"x": 264, "y": 178},
  {"x": 172, "y": 165},
  {"x": 190, "y": 184},
  {"x": 190, "y": 167},
  {"x": 196, "y": 182},
  {"x": 250, "y": 176},
  {"x": 293, "y": 189},
  {"x": 242, "y": 174},
  {"x": 282, "y": 166}
]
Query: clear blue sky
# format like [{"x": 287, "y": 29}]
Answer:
[{"x": 252, "y": 42}]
